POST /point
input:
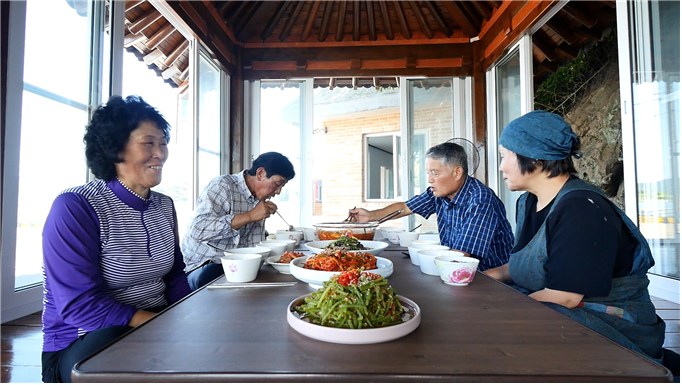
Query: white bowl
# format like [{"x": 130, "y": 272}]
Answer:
[
  {"x": 290, "y": 235},
  {"x": 309, "y": 233},
  {"x": 241, "y": 267},
  {"x": 281, "y": 267},
  {"x": 316, "y": 278},
  {"x": 427, "y": 259},
  {"x": 456, "y": 270},
  {"x": 380, "y": 234},
  {"x": 414, "y": 247},
  {"x": 393, "y": 236},
  {"x": 290, "y": 243},
  {"x": 407, "y": 238},
  {"x": 277, "y": 248},
  {"x": 264, "y": 252},
  {"x": 412, "y": 318},
  {"x": 375, "y": 247}
]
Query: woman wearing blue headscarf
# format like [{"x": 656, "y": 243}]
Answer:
[{"x": 574, "y": 250}]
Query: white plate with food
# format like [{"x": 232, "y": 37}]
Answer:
[
  {"x": 316, "y": 278},
  {"x": 281, "y": 263},
  {"x": 373, "y": 247},
  {"x": 345, "y": 325}
]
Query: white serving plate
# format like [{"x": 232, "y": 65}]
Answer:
[
  {"x": 356, "y": 336},
  {"x": 316, "y": 278},
  {"x": 281, "y": 267},
  {"x": 375, "y": 247}
]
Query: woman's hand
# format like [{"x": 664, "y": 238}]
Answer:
[{"x": 563, "y": 298}]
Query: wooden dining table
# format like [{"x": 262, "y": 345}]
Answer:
[{"x": 482, "y": 332}]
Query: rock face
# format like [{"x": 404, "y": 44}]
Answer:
[{"x": 595, "y": 118}]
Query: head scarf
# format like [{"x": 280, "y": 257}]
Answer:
[{"x": 540, "y": 135}]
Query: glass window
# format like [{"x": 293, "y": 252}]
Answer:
[
  {"x": 382, "y": 179},
  {"x": 655, "y": 52},
  {"x": 209, "y": 128},
  {"x": 508, "y": 98},
  {"x": 280, "y": 131},
  {"x": 430, "y": 121},
  {"x": 53, "y": 118}
]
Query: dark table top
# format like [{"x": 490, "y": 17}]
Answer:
[{"x": 485, "y": 331}]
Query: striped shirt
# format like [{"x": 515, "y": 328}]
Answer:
[
  {"x": 106, "y": 254},
  {"x": 474, "y": 221},
  {"x": 210, "y": 231}
]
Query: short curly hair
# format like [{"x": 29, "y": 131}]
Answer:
[{"x": 109, "y": 130}]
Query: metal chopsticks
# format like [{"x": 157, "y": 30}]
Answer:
[
  {"x": 247, "y": 285},
  {"x": 390, "y": 216}
]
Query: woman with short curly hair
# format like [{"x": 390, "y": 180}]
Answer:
[{"x": 111, "y": 255}]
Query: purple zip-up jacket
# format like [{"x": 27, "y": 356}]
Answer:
[{"x": 106, "y": 254}]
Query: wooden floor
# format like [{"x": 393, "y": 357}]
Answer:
[{"x": 22, "y": 342}]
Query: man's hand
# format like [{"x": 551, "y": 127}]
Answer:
[
  {"x": 359, "y": 215},
  {"x": 263, "y": 210}
]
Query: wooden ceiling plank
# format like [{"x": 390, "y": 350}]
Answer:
[
  {"x": 563, "y": 32},
  {"x": 311, "y": 20},
  {"x": 160, "y": 36},
  {"x": 149, "y": 58},
  {"x": 388, "y": 30},
  {"x": 356, "y": 21},
  {"x": 588, "y": 33},
  {"x": 444, "y": 27},
  {"x": 145, "y": 21},
  {"x": 248, "y": 16},
  {"x": 457, "y": 13},
  {"x": 407, "y": 34},
  {"x": 568, "y": 50},
  {"x": 177, "y": 52},
  {"x": 286, "y": 31},
  {"x": 495, "y": 4},
  {"x": 340, "y": 20},
  {"x": 578, "y": 13},
  {"x": 483, "y": 9},
  {"x": 324, "y": 27},
  {"x": 259, "y": 19},
  {"x": 170, "y": 72},
  {"x": 547, "y": 51},
  {"x": 371, "y": 26},
  {"x": 472, "y": 14},
  {"x": 236, "y": 13},
  {"x": 223, "y": 7},
  {"x": 194, "y": 16},
  {"x": 423, "y": 24},
  {"x": 130, "y": 4},
  {"x": 292, "y": 73},
  {"x": 274, "y": 19},
  {"x": 609, "y": 3},
  {"x": 130, "y": 39}
]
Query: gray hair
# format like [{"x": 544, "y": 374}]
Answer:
[{"x": 450, "y": 154}]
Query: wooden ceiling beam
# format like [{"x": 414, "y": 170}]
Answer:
[
  {"x": 236, "y": 13},
  {"x": 433, "y": 10},
  {"x": 311, "y": 20},
  {"x": 438, "y": 51},
  {"x": 388, "y": 30},
  {"x": 274, "y": 19},
  {"x": 248, "y": 16},
  {"x": 356, "y": 20},
  {"x": 577, "y": 12},
  {"x": 170, "y": 72},
  {"x": 422, "y": 20},
  {"x": 404, "y": 28},
  {"x": 286, "y": 31},
  {"x": 223, "y": 8},
  {"x": 494, "y": 4},
  {"x": 176, "y": 53},
  {"x": 371, "y": 26},
  {"x": 457, "y": 12},
  {"x": 259, "y": 19},
  {"x": 564, "y": 33},
  {"x": 567, "y": 50},
  {"x": 324, "y": 27},
  {"x": 160, "y": 36},
  {"x": 340, "y": 20},
  {"x": 472, "y": 14},
  {"x": 588, "y": 33},
  {"x": 130, "y": 4},
  {"x": 145, "y": 21},
  {"x": 483, "y": 9},
  {"x": 130, "y": 39},
  {"x": 541, "y": 44},
  {"x": 149, "y": 58}
]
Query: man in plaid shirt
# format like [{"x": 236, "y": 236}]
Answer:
[
  {"x": 231, "y": 213},
  {"x": 471, "y": 218}
]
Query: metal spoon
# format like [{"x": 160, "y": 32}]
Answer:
[
  {"x": 418, "y": 226},
  {"x": 291, "y": 228}
]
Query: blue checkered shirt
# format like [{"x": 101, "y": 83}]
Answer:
[
  {"x": 474, "y": 221},
  {"x": 210, "y": 231}
]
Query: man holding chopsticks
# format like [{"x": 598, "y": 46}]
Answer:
[
  {"x": 231, "y": 213},
  {"x": 471, "y": 218}
]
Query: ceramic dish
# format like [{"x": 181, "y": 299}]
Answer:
[
  {"x": 375, "y": 247},
  {"x": 316, "y": 278},
  {"x": 281, "y": 267},
  {"x": 412, "y": 319}
]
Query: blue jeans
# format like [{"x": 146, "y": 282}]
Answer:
[{"x": 204, "y": 274}]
